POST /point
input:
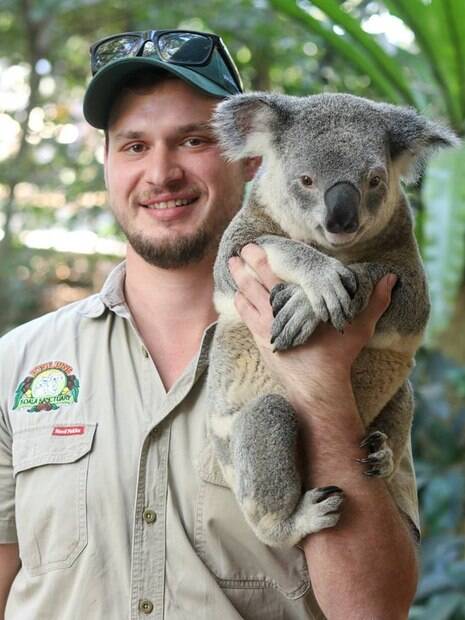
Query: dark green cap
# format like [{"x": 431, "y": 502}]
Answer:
[{"x": 214, "y": 79}]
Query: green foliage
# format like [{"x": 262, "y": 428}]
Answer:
[
  {"x": 358, "y": 48},
  {"x": 439, "y": 448},
  {"x": 436, "y": 31},
  {"x": 444, "y": 233}
]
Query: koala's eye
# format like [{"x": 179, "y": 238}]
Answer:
[
  {"x": 306, "y": 180},
  {"x": 375, "y": 181}
]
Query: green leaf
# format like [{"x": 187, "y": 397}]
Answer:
[
  {"x": 444, "y": 234},
  {"x": 345, "y": 48},
  {"x": 19, "y": 394},
  {"x": 385, "y": 64},
  {"x": 455, "y": 11},
  {"x": 431, "y": 23}
]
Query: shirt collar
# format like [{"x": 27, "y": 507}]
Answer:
[
  {"x": 112, "y": 293},
  {"x": 111, "y": 296}
]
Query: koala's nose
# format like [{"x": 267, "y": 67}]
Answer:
[{"x": 342, "y": 201}]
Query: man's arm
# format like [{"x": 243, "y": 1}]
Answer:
[
  {"x": 364, "y": 568},
  {"x": 9, "y": 566}
]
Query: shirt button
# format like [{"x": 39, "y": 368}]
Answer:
[
  {"x": 150, "y": 516},
  {"x": 145, "y": 606}
]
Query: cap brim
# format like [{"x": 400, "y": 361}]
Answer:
[{"x": 106, "y": 84}]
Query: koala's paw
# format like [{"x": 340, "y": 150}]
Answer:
[
  {"x": 380, "y": 456},
  {"x": 319, "y": 509},
  {"x": 294, "y": 319},
  {"x": 362, "y": 295},
  {"x": 331, "y": 290}
]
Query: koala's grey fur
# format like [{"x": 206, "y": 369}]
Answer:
[{"x": 330, "y": 256}]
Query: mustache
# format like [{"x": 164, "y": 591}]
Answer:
[{"x": 154, "y": 193}]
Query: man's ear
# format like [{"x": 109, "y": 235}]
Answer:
[
  {"x": 245, "y": 124},
  {"x": 413, "y": 138}
]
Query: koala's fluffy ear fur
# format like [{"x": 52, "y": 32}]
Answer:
[
  {"x": 413, "y": 138},
  {"x": 244, "y": 123}
]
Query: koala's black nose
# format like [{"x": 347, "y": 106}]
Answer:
[{"x": 342, "y": 201}]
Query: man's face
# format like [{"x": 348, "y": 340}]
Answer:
[{"x": 170, "y": 189}]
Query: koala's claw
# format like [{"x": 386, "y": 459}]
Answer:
[
  {"x": 279, "y": 296},
  {"x": 380, "y": 458},
  {"x": 278, "y": 303},
  {"x": 325, "y": 492},
  {"x": 291, "y": 336},
  {"x": 319, "y": 509},
  {"x": 294, "y": 319},
  {"x": 350, "y": 282},
  {"x": 331, "y": 294},
  {"x": 374, "y": 441}
]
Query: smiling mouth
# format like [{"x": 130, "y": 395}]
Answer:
[{"x": 169, "y": 204}]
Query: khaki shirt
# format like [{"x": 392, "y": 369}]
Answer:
[{"x": 109, "y": 487}]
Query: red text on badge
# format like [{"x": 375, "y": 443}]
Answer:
[{"x": 68, "y": 430}]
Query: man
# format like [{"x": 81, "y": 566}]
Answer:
[{"x": 105, "y": 496}]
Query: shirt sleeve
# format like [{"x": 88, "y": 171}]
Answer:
[
  {"x": 7, "y": 485},
  {"x": 403, "y": 488}
]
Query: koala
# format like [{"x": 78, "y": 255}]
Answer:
[{"x": 328, "y": 208}]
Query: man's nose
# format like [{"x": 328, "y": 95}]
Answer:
[
  {"x": 342, "y": 201},
  {"x": 163, "y": 167}
]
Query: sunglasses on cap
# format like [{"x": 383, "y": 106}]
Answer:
[{"x": 179, "y": 47}]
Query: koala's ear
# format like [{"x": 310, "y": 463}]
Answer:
[
  {"x": 244, "y": 124},
  {"x": 413, "y": 138}
]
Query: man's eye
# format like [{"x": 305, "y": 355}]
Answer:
[
  {"x": 136, "y": 148},
  {"x": 195, "y": 141}
]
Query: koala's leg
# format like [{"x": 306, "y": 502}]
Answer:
[
  {"x": 376, "y": 375},
  {"x": 245, "y": 227},
  {"x": 253, "y": 429},
  {"x": 387, "y": 435},
  {"x": 268, "y": 484},
  {"x": 327, "y": 283},
  {"x": 236, "y": 376},
  {"x": 409, "y": 307}
]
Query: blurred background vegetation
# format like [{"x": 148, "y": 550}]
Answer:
[{"x": 58, "y": 240}]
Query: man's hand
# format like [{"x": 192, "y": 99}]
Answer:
[{"x": 322, "y": 365}]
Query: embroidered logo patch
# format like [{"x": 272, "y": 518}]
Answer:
[{"x": 47, "y": 387}]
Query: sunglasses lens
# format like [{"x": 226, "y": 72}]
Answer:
[
  {"x": 184, "y": 47},
  {"x": 113, "y": 49}
]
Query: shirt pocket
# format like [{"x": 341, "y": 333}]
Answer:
[
  {"x": 230, "y": 549},
  {"x": 50, "y": 464}
]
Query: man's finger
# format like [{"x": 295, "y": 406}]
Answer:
[
  {"x": 253, "y": 320},
  {"x": 255, "y": 257},
  {"x": 248, "y": 313},
  {"x": 257, "y": 294}
]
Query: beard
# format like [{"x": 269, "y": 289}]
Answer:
[
  {"x": 188, "y": 249},
  {"x": 177, "y": 253}
]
